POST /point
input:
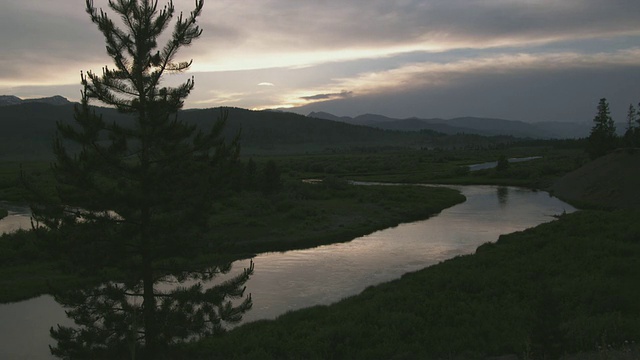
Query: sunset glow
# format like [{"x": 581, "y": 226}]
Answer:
[{"x": 351, "y": 57}]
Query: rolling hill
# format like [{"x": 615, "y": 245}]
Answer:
[
  {"x": 27, "y": 130},
  {"x": 7, "y": 100},
  {"x": 469, "y": 125}
]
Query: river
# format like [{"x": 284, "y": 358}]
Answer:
[
  {"x": 291, "y": 280},
  {"x": 19, "y": 217}
]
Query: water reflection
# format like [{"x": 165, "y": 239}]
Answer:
[
  {"x": 117, "y": 321},
  {"x": 326, "y": 274},
  {"x": 19, "y": 217},
  {"x": 292, "y": 280},
  {"x": 503, "y": 195}
]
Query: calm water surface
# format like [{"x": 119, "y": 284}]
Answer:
[
  {"x": 19, "y": 217},
  {"x": 296, "y": 279}
]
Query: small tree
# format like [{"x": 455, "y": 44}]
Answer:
[
  {"x": 603, "y": 134},
  {"x": 503, "y": 163},
  {"x": 631, "y": 132},
  {"x": 631, "y": 118},
  {"x": 134, "y": 197}
]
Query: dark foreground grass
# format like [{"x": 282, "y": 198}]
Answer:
[{"x": 560, "y": 288}]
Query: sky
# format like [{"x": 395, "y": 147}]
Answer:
[{"x": 528, "y": 60}]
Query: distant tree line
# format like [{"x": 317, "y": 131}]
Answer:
[
  {"x": 603, "y": 138},
  {"x": 249, "y": 176}
]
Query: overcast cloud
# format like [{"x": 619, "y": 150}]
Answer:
[{"x": 531, "y": 60}]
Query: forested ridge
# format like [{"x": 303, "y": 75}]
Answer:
[{"x": 27, "y": 131}]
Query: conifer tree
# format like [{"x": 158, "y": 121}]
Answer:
[
  {"x": 631, "y": 133},
  {"x": 603, "y": 134},
  {"x": 133, "y": 197},
  {"x": 631, "y": 118}
]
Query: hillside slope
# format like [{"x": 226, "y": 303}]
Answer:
[
  {"x": 27, "y": 130},
  {"x": 469, "y": 125},
  {"x": 612, "y": 181}
]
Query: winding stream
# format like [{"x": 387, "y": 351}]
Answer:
[{"x": 295, "y": 279}]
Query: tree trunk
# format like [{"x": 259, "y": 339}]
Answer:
[{"x": 149, "y": 313}]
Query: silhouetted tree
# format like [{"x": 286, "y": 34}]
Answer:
[
  {"x": 631, "y": 133},
  {"x": 603, "y": 134},
  {"x": 503, "y": 163},
  {"x": 631, "y": 118},
  {"x": 133, "y": 197}
]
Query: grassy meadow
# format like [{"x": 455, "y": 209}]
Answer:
[{"x": 557, "y": 290}]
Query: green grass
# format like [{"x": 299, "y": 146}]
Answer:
[
  {"x": 560, "y": 288},
  {"x": 11, "y": 187},
  {"x": 307, "y": 215},
  {"x": 440, "y": 166}
]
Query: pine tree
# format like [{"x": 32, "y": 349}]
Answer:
[
  {"x": 134, "y": 197},
  {"x": 631, "y": 118},
  {"x": 635, "y": 136},
  {"x": 603, "y": 134},
  {"x": 630, "y": 133}
]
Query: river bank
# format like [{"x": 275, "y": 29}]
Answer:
[
  {"x": 563, "y": 287},
  {"x": 304, "y": 216},
  {"x": 284, "y": 281},
  {"x": 495, "y": 305},
  {"x": 566, "y": 289}
]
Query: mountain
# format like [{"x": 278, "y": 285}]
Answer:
[
  {"x": 468, "y": 125},
  {"x": 27, "y": 130},
  {"x": 565, "y": 130},
  {"x": 327, "y": 116},
  {"x": 8, "y": 100}
]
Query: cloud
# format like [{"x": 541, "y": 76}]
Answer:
[
  {"x": 308, "y": 33},
  {"x": 340, "y": 23},
  {"x": 492, "y": 76},
  {"x": 341, "y": 95},
  {"x": 431, "y": 74},
  {"x": 220, "y": 99},
  {"x": 57, "y": 38},
  {"x": 338, "y": 51},
  {"x": 570, "y": 95}
]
